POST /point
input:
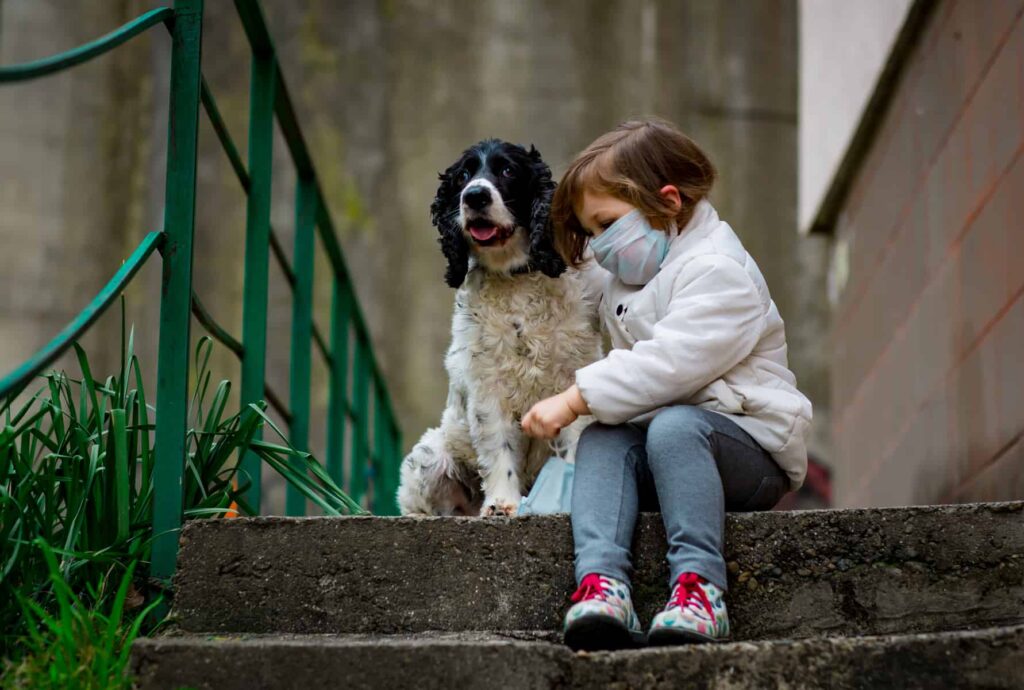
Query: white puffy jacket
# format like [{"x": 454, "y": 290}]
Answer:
[{"x": 704, "y": 331}]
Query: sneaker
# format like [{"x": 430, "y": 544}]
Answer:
[
  {"x": 602, "y": 616},
  {"x": 695, "y": 613}
]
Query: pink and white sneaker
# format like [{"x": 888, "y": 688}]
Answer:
[
  {"x": 602, "y": 616},
  {"x": 695, "y": 613}
]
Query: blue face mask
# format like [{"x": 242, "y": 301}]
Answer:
[{"x": 631, "y": 249}]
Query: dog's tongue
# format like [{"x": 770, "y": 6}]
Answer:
[{"x": 483, "y": 234}]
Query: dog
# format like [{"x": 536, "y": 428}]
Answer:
[{"x": 523, "y": 324}]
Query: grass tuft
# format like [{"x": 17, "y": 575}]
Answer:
[{"x": 76, "y": 509}]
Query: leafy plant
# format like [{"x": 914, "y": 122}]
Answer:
[
  {"x": 76, "y": 647},
  {"x": 76, "y": 468}
]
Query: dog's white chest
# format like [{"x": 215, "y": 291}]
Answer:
[{"x": 524, "y": 337}]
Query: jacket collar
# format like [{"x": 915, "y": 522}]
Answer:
[{"x": 702, "y": 223}]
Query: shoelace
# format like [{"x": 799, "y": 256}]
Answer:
[
  {"x": 592, "y": 587},
  {"x": 689, "y": 593}
]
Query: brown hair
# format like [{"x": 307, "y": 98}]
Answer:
[{"x": 632, "y": 162}]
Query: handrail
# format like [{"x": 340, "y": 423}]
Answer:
[
  {"x": 86, "y": 52},
  {"x": 218, "y": 332},
  {"x": 321, "y": 345},
  {"x": 282, "y": 259},
  {"x": 374, "y": 446},
  {"x": 14, "y": 381},
  {"x": 221, "y": 130}
]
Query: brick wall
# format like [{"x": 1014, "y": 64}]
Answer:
[{"x": 928, "y": 335}]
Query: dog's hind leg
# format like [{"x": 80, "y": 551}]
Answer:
[{"x": 433, "y": 483}]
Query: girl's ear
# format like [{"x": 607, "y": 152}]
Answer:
[
  {"x": 543, "y": 255},
  {"x": 670, "y": 193},
  {"x": 445, "y": 217}
]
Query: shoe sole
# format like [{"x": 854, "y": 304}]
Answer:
[
  {"x": 597, "y": 633},
  {"x": 666, "y": 637}
]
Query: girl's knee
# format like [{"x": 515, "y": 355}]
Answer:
[
  {"x": 680, "y": 420},
  {"x": 598, "y": 436},
  {"x": 602, "y": 444}
]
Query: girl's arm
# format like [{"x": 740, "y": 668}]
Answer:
[
  {"x": 714, "y": 320},
  {"x": 546, "y": 418}
]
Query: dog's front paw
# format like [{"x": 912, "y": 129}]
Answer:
[{"x": 500, "y": 508}]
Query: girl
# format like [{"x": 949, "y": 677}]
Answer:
[{"x": 697, "y": 411}]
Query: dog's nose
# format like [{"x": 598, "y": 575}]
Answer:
[{"x": 477, "y": 198}]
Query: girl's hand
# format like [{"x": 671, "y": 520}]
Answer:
[{"x": 548, "y": 417}]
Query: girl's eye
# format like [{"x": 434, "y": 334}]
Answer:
[
  {"x": 606, "y": 224},
  {"x": 507, "y": 171}
]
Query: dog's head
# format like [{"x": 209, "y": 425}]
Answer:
[{"x": 494, "y": 204}]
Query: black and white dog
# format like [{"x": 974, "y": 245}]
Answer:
[{"x": 523, "y": 325}]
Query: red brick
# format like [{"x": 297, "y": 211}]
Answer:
[
  {"x": 977, "y": 404},
  {"x": 1009, "y": 345},
  {"x": 985, "y": 265},
  {"x": 1001, "y": 480},
  {"x": 947, "y": 196},
  {"x": 1014, "y": 219},
  {"x": 933, "y": 330},
  {"x": 994, "y": 115},
  {"x": 902, "y": 276}
]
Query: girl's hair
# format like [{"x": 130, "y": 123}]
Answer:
[{"x": 632, "y": 162}]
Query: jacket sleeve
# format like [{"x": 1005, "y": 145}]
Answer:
[{"x": 714, "y": 320}]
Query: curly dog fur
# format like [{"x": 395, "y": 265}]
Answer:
[{"x": 522, "y": 326}]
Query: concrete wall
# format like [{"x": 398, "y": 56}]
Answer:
[
  {"x": 843, "y": 47},
  {"x": 388, "y": 94},
  {"x": 929, "y": 328}
]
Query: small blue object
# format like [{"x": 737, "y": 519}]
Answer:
[{"x": 552, "y": 492}]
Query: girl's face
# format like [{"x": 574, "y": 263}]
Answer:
[{"x": 597, "y": 210}]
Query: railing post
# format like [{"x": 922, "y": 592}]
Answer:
[
  {"x": 361, "y": 413},
  {"x": 302, "y": 330},
  {"x": 176, "y": 285},
  {"x": 384, "y": 475},
  {"x": 257, "y": 249},
  {"x": 337, "y": 408}
]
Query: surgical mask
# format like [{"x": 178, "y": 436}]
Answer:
[{"x": 631, "y": 249}]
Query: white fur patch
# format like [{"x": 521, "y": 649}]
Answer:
[{"x": 515, "y": 341}]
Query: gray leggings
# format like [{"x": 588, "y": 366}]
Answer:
[{"x": 694, "y": 463}]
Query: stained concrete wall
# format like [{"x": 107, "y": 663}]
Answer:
[
  {"x": 388, "y": 94},
  {"x": 929, "y": 328}
]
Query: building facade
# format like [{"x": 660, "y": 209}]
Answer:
[{"x": 926, "y": 215}]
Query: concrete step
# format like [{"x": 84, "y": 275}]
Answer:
[
  {"x": 792, "y": 575},
  {"x": 991, "y": 658}
]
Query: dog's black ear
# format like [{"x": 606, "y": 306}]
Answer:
[
  {"x": 444, "y": 214},
  {"x": 543, "y": 255}
]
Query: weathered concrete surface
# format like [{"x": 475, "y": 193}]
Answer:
[
  {"x": 991, "y": 658},
  {"x": 793, "y": 575}
]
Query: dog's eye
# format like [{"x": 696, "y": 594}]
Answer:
[
  {"x": 507, "y": 171},
  {"x": 463, "y": 177}
]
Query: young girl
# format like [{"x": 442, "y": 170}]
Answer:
[{"x": 697, "y": 411}]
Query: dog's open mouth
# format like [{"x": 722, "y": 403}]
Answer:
[{"x": 486, "y": 234}]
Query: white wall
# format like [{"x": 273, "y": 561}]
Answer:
[{"x": 843, "y": 47}]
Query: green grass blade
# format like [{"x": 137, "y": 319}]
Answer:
[{"x": 121, "y": 492}]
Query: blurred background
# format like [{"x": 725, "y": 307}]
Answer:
[{"x": 869, "y": 157}]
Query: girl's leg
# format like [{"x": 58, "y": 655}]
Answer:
[
  {"x": 701, "y": 463},
  {"x": 605, "y": 497}
]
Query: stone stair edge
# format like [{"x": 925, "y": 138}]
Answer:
[
  {"x": 884, "y": 511},
  {"x": 548, "y": 638},
  {"x": 990, "y": 657}
]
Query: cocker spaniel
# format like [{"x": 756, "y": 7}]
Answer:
[{"x": 523, "y": 324}]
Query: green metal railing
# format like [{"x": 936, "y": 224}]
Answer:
[{"x": 178, "y": 303}]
